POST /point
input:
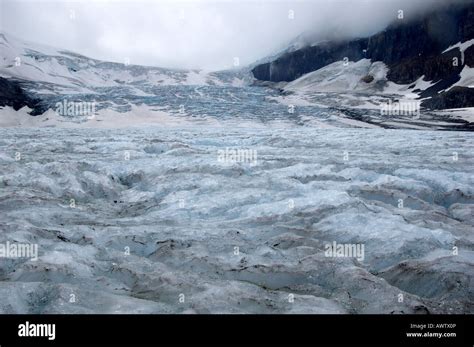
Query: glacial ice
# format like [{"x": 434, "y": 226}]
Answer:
[{"x": 167, "y": 228}]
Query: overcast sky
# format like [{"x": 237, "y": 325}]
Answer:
[{"x": 192, "y": 34}]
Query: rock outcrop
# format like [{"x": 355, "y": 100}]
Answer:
[
  {"x": 293, "y": 65},
  {"x": 456, "y": 97},
  {"x": 11, "y": 94}
]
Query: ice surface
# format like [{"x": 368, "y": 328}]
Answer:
[
  {"x": 134, "y": 212},
  {"x": 163, "y": 195}
]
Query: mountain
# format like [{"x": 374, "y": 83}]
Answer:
[
  {"x": 39, "y": 76},
  {"x": 425, "y": 56},
  {"x": 292, "y": 65},
  {"x": 11, "y": 94},
  {"x": 96, "y": 93},
  {"x": 65, "y": 72}
]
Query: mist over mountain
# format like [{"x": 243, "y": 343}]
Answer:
[
  {"x": 435, "y": 47},
  {"x": 196, "y": 34}
]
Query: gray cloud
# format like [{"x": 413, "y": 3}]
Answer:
[{"x": 193, "y": 34}]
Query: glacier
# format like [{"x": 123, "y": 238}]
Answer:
[
  {"x": 149, "y": 220},
  {"x": 133, "y": 209}
]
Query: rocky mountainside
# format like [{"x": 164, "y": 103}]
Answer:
[
  {"x": 293, "y": 65},
  {"x": 437, "y": 47},
  {"x": 11, "y": 94},
  {"x": 47, "y": 79},
  {"x": 39, "y": 76}
]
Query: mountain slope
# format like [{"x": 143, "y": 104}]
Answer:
[
  {"x": 43, "y": 75},
  {"x": 97, "y": 94},
  {"x": 11, "y": 94},
  {"x": 437, "y": 48},
  {"x": 64, "y": 71}
]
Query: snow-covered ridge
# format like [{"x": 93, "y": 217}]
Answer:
[
  {"x": 67, "y": 72},
  {"x": 341, "y": 76},
  {"x": 420, "y": 56},
  {"x": 338, "y": 95},
  {"x": 348, "y": 76},
  {"x": 368, "y": 77},
  {"x": 359, "y": 81}
]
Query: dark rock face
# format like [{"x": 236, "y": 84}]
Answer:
[
  {"x": 425, "y": 37},
  {"x": 11, "y": 94},
  {"x": 442, "y": 69},
  {"x": 469, "y": 56},
  {"x": 415, "y": 49},
  {"x": 411, "y": 49},
  {"x": 291, "y": 66},
  {"x": 456, "y": 97},
  {"x": 433, "y": 67}
]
